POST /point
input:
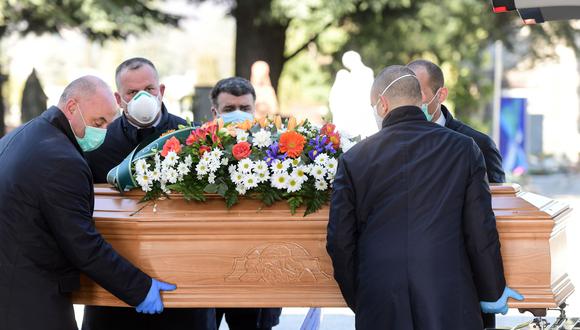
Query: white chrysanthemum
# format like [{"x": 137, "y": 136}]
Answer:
[
  {"x": 188, "y": 161},
  {"x": 214, "y": 165},
  {"x": 320, "y": 185},
  {"x": 245, "y": 165},
  {"x": 164, "y": 187},
  {"x": 183, "y": 169},
  {"x": 331, "y": 166},
  {"x": 262, "y": 139},
  {"x": 171, "y": 175},
  {"x": 294, "y": 184},
  {"x": 242, "y": 136},
  {"x": 279, "y": 180},
  {"x": 241, "y": 189},
  {"x": 260, "y": 166},
  {"x": 237, "y": 177},
  {"x": 322, "y": 159},
  {"x": 263, "y": 177},
  {"x": 141, "y": 166},
  {"x": 216, "y": 153},
  {"x": 300, "y": 174},
  {"x": 295, "y": 162},
  {"x": 155, "y": 175},
  {"x": 250, "y": 181},
  {"x": 211, "y": 178},
  {"x": 317, "y": 172},
  {"x": 301, "y": 130},
  {"x": 279, "y": 166},
  {"x": 144, "y": 180},
  {"x": 202, "y": 168},
  {"x": 232, "y": 169},
  {"x": 224, "y": 161},
  {"x": 171, "y": 158}
]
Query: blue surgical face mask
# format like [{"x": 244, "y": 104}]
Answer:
[
  {"x": 425, "y": 107},
  {"x": 236, "y": 116},
  {"x": 93, "y": 138}
]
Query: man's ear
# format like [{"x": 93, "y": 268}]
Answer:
[
  {"x": 383, "y": 107},
  {"x": 118, "y": 98},
  {"x": 69, "y": 109},
  {"x": 443, "y": 94},
  {"x": 162, "y": 89},
  {"x": 214, "y": 112}
]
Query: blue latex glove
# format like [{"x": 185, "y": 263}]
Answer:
[
  {"x": 153, "y": 303},
  {"x": 501, "y": 305}
]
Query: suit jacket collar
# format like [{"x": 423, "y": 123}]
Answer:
[
  {"x": 402, "y": 114},
  {"x": 57, "y": 119},
  {"x": 131, "y": 131},
  {"x": 450, "y": 122}
]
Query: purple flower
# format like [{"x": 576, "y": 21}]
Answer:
[
  {"x": 319, "y": 144},
  {"x": 272, "y": 153}
]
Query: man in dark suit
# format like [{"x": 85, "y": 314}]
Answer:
[
  {"x": 144, "y": 118},
  {"x": 412, "y": 233},
  {"x": 234, "y": 100},
  {"x": 434, "y": 94},
  {"x": 47, "y": 234}
]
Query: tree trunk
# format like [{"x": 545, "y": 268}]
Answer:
[{"x": 258, "y": 37}]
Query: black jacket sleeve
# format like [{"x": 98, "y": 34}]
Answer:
[
  {"x": 495, "y": 173},
  {"x": 342, "y": 234},
  {"x": 480, "y": 232},
  {"x": 66, "y": 206}
]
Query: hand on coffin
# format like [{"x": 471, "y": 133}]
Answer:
[
  {"x": 153, "y": 303},
  {"x": 501, "y": 305}
]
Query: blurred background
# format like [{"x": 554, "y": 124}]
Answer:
[{"x": 518, "y": 83}]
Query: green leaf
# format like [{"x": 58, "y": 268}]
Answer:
[
  {"x": 211, "y": 188},
  {"x": 222, "y": 189},
  {"x": 295, "y": 203},
  {"x": 231, "y": 198}
]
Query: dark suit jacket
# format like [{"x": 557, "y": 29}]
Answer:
[
  {"x": 412, "y": 234},
  {"x": 47, "y": 233},
  {"x": 491, "y": 155},
  {"x": 122, "y": 138}
]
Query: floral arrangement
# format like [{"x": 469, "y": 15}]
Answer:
[{"x": 268, "y": 160}]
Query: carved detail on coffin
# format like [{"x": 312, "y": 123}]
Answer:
[{"x": 277, "y": 263}]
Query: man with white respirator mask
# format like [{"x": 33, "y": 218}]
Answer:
[{"x": 144, "y": 118}]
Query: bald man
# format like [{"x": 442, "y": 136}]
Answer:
[
  {"x": 47, "y": 234},
  {"x": 413, "y": 246}
]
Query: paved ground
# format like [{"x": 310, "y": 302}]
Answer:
[{"x": 564, "y": 187}]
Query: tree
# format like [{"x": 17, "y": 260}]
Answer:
[
  {"x": 98, "y": 20},
  {"x": 454, "y": 33}
]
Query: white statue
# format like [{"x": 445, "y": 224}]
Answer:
[{"x": 349, "y": 98}]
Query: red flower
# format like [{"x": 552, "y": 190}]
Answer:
[
  {"x": 203, "y": 150},
  {"x": 241, "y": 150},
  {"x": 328, "y": 129},
  {"x": 172, "y": 144},
  {"x": 292, "y": 143}
]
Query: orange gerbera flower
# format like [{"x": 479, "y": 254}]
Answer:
[{"x": 292, "y": 143}]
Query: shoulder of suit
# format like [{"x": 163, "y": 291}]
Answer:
[{"x": 483, "y": 140}]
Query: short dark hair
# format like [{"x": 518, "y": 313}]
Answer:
[
  {"x": 236, "y": 86},
  {"x": 133, "y": 64},
  {"x": 436, "y": 79}
]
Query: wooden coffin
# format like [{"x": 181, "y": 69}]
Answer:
[{"x": 250, "y": 256}]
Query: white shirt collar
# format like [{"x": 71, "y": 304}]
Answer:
[{"x": 441, "y": 120}]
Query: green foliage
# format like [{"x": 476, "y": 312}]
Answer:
[{"x": 98, "y": 20}]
